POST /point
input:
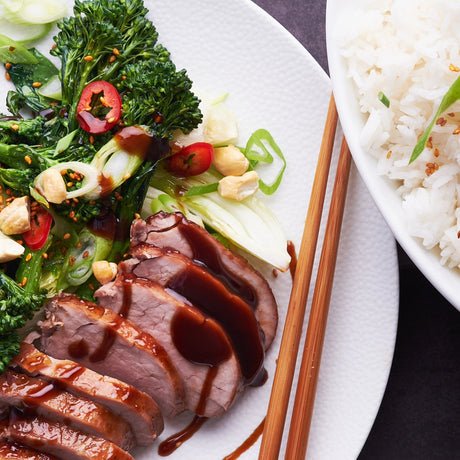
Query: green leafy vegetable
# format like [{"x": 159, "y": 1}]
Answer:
[
  {"x": 452, "y": 96},
  {"x": 28, "y": 79},
  {"x": 17, "y": 305},
  {"x": 249, "y": 224}
]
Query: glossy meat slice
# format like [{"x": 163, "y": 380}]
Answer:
[
  {"x": 37, "y": 395},
  {"x": 57, "y": 439},
  {"x": 102, "y": 340},
  {"x": 12, "y": 451},
  {"x": 147, "y": 304},
  {"x": 175, "y": 232},
  {"x": 134, "y": 406},
  {"x": 186, "y": 278}
]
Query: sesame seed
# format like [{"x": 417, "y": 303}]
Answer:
[
  {"x": 7, "y": 76},
  {"x": 456, "y": 131},
  {"x": 111, "y": 120},
  {"x": 27, "y": 159},
  {"x": 66, "y": 236},
  {"x": 70, "y": 184},
  {"x": 45, "y": 255},
  {"x": 88, "y": 58},
  {"x": 137, "y": 215},
  {"x": 71, "y": 261},
  {"x": 91, "y": 139},
  {"x": 90, "y": 285},
  {"x": 85, "y": 254},
  {"x": 28, "y": 257},
  {"x": 436, "y": 153},
  {"x": 11, "y": 48},
  {"x": 8, "y": 66},
  {"x": 454, "y": 68},
  {"x": 24, "y": 280},
  {"x": 112, "y": 58},
  {"x": 36, "y": 84},
  {"x": 116, "y": 52},
  {"x": 389, "y": 155}
]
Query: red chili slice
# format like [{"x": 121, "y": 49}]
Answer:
[
  {"x": 40, "y": 226},
  {"x": 99, "y": 108},
  {"x": 192, "y": 160}
]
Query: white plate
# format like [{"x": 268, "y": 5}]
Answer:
[
  {"x": 274, "y": 83},
  {"x": 445, "y": 280}
]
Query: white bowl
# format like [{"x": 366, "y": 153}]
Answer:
[{"x": 383, "y": 191}]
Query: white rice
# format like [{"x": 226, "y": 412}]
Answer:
[{"x": 410, "y": 50}]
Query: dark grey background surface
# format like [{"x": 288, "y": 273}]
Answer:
[{"x": 419, "y": 418}]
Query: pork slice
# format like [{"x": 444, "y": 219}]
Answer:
[
  {"x": 186, "y": 278},
  {"x": 147, "y": 305},
  {"x": 13, "y": 451},
  {"x": 58, "y": 439},
  {"x": 102, "y": 340},
  {"x": 172, "y": 231},
  {"x": 42, "y": 398},
  {"x": 134, "y": 406}
]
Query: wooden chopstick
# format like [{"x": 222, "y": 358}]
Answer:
[
  {"x": 279, "y": 399},
  {"x": 309, "y": 370}
]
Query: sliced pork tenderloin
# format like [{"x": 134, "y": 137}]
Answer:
[
  {"x": 146, "y": 304},
  {"x": 58, "y": 439},
  {"x": 174, "y": 232},
  {"x": 181, "y": 275},
  {"x": 102, "y": 340},
  {"x": 13, "y": 451},
  {"x": 43, "y": 399},
  {"x": 134, "y": 406}
]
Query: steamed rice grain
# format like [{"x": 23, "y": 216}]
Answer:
[{"x": 410, "y": 51}]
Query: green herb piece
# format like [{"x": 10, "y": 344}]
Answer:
[
  {"x": 452, "y": 96},
  {"x": 383, "y": 99}
]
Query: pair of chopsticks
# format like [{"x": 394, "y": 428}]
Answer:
[{"x": 308, "y": 377}]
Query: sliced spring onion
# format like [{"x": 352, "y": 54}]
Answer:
[
  {"x": 14, "y": 52},
  {"x": 64, "y": 142},
  {"x": 202, "y": 189},
  {"x": 90, "y": 181},
  {"x": 33, "y": 11},
  {"x": 156, "y": 201},
  {"x": 90, "y": 249},
  {"x": 383, "y": 99},
  {"x": 262, "y": 148},
  {"x": 452, "y": 96}
]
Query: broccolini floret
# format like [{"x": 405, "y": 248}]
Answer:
[{"x": 17, "y": 305}]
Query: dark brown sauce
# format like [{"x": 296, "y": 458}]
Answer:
[
  {"x": 136, "y": 141},
  {"x": 233, "y": 314},
  {"x": 104, "y": 225},
  {"x": 249, "y": 442},
  {"x": 78, "y": 349},
  {"x": 168, "y": 446},
  {"x": 293, "y": 263},
  {"x": 198, "y": 339},
  {"x": 105, "y": 184},
  {"x": 206, "y": 252}
]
